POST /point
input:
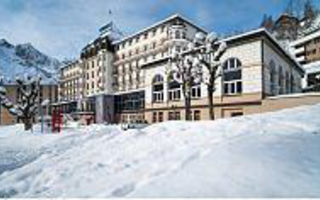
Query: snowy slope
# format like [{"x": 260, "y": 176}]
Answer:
[
  {"x": 25, "y": 60},
  {"x": 268, "y": 155}
]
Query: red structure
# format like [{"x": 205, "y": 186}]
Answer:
[{"x": 56, "y": 120}]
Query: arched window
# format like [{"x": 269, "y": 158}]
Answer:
[
  {"x": 273, "y": 83},
  {"x": 287, "y": 83},
  {"x": 232, "y": 76},
  {"x": 280, "y": 80},
  {"x": 174, "y": 89},
  {"x": 157, "y": 88},
  {"x": 292, "y": 83}
]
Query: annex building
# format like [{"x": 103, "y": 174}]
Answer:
[{"x": 122, "y": 80}]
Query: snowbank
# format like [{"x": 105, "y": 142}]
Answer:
[{"x": 268, "y": 155}]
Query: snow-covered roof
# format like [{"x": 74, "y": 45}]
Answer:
[
  {"x": 306, "y": 38},
  {"x": 312, "y": 67},
  {"x": 159, "y": 23},
  {"x": 275, "y": 41}
]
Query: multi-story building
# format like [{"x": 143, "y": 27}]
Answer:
[
  {"x": 141, "y": 52},
  {"x": 307, "y": 51},
  {"x": 128, "y": 79},
  {"x": 71, "y": 85}
]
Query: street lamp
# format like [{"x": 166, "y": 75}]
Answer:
[{"x": 44, "y": 103}]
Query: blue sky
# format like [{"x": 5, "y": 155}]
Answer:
[{"x": 60, "y": 28}]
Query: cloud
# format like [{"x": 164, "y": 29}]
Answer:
[{"x": 60, "y": 28}]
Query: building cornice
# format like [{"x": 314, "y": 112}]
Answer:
[{"x": 172, "y": 17}]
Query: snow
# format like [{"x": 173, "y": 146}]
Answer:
[
  {"x": 24, "y": 60},
  {"x": 263, "y": 155}
]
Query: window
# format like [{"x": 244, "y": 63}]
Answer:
[
  {"x": 196, "y": 115},
  {"x": 145, "y": 35},
  {"x": 232, "y": 75},
  {"x": 170, "y": 116},
  {"x": 145, "y": 47},
  {"x": 178, "y": 49},
  {"x": 292, "y": 83},
  {"x": 273, "y": 83},
  {"x": 162, "y": 29},
  {"x": 196, "y": 91},
  {"x": 154, "y": 117},
  {"x": 174, "y": 115},
  {"x": 177, "y": 35},
  {"x": 184, "y": 35},
  {"x": 287, "y": 83},
  {"x": 157, "y": 88},
  {"x": 177, "y": 115},
  {"x": 174, "y": 89},
  {"x": 236, "y": 114},
  {"x": 92, "y": 74},
  {"x": 160, "y": 117},
  {"x": 281, "y": 80}
]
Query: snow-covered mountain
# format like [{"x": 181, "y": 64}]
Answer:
[{"x": 25, "y": 60}]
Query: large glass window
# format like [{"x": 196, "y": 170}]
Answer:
[
  {"x": 157, "y": 88},
  {"x": 131, "y": 101},
  {"x": 232, "y": 76}
]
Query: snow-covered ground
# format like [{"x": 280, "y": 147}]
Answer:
[{"x": 268, "y": 155}]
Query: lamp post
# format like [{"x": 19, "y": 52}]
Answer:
[{"x": 44, "y": 103}]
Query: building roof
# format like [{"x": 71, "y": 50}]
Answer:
[
  {"x": 263, "y": 31},
  {"x": 175, "y": 16},
  {"x": 306, "y": 38},
  {"x": 68, "y": 63}
]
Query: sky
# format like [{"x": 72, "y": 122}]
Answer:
[{"x": 61, "y": 28}]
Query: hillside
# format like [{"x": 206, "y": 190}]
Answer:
[
  {"x": 264, "y": 155},
  {"x": 24, "y": 60}
]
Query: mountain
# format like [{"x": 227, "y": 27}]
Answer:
[{"x": 25, "y": 60}]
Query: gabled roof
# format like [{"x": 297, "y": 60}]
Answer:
[{"x": 264, "y": 32}]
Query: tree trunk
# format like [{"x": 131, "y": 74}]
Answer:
[
  {"x": 27, "y": 124},
  {"x": 210, "y": 102},
  {"x": 187, "y": 103}
]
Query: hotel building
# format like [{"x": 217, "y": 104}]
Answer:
[{"x": 127, "y": 80}]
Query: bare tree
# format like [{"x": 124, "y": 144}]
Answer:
[
  {"x": 184, "y": 69},
  {"x": 26, "y": 105},
  {"x": 200, "y": 63},
  {"x": 209, "y": 56}
]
